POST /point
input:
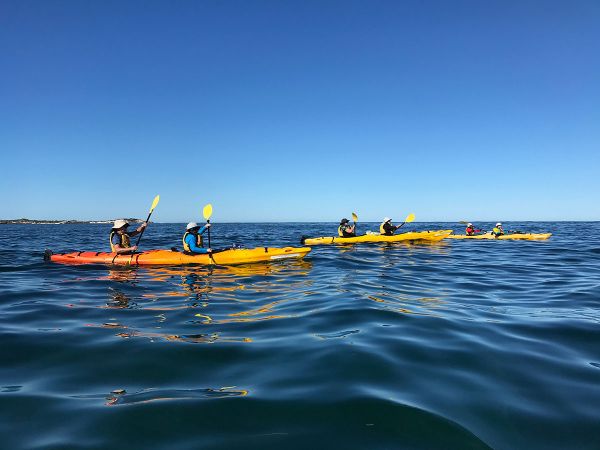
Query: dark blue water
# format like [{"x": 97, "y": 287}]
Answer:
[{"x": 459, "y": 345}]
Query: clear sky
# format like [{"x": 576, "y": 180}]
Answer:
[{"x": 300, "y": 110}]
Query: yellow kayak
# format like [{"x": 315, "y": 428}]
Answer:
[
  {"x": 412, "y": 236},
  {"x": 519, "y": 236},
  {"x": 170, "y": 257}
]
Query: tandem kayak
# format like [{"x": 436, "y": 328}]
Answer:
[
  {"x": 521, "y": 236},
  {"x": 413, "y": 236},
  {"x": 171, "y": 257}
]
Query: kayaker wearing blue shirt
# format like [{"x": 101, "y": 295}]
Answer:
[
  {"x": 192, "y": 239},
  {"x": 120, "y": 241}
]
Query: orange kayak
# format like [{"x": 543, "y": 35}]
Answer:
[{"x": 170, "y": 257}]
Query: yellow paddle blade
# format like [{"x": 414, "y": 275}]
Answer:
[
  {"x": 354, "y": 217},
  {"x": 409, "y": 218},
  {"x": 155, "y": 202},
  {"x": 207, "y": 211}
]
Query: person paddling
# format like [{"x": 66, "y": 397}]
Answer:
[
  {"x": 387, "y": 228},
  {"x": 192, "y": 238},
  {"x": 498, "y": 230},
  {"x": 119, "y": 237},
  {"x": 470, "y": 230},
  {"x": 345, "y": 229}
]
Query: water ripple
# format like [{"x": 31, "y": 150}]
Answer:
[{"x": 462, "y": 344}]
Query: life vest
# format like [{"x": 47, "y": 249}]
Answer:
[
  {"x": 199, "y": 241},
  {"x": 124, "y": 243},
  {"x": 470, "y": 231},
  {"x": 497, "y": 231},
  {"x": 340, "y": 232}
]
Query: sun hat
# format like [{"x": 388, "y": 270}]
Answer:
[
  {"x": 499, "y": 224},
  {"x": 120, "y": 223},
  {"x": 192, "y": 225},
  {"x": 386, "y": 219}
]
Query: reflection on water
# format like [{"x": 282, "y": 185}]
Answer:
[
  {"x": 121, "y": 397},
  {"x": 223, "y": 294}
]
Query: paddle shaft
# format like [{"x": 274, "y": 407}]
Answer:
[
  {"x": 208, "y": 221},
  {"x": 144, "y": 229}
]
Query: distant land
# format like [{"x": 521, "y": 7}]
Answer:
[{"x": 58, "y": 222}]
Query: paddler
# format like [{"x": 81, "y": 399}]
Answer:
[
  {"x": 345, "y": 229},
  {"x": 120, "y": 241},
  {"x": 470, "y": 230},
  {"x": 192, "y": 238},
  {"x": 387, "y": 228},
  {"x": 498, "y": 231}
]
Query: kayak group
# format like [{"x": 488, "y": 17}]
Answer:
[{"x": 194, "y": 252}]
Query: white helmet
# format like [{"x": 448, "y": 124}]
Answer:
[
  {"x": 192, "y": 225},
  {"x": 120, "y": 223},
  {"x": 469, "y": 224},
  {"x": 498, "y": 224},
  {"x": 386, "y": 219}
]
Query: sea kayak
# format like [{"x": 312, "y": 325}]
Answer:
[
  {"x": 521, "y": 236},
  {"x": 413, "y": 236},
  {"x": 170, "y": 257}
]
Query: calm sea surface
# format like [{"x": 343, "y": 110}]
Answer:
[{"x": 457, "y": 345}]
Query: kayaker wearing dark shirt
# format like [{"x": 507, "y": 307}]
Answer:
[
  {"x": 470, "y": 230},
  {"x": 120, "y": 241},
  {"x": 192, "y": 238},
  {"x": 386, "y": 228},
  {"x": 345, "y": 229}
]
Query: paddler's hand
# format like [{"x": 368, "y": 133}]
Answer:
[
  {"x": 209, "y": 250},
  {"x": 207, "y": 225},
  {"x": 134, "y": 248}
]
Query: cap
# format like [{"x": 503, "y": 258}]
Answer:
[
  {"x": 192, "y": 225},
  {"x": 387, "y": 219},
  {"x": 469, "y": 224},
  {"x": 344, "y": 221},
  {"x": 498, "y": 224}
]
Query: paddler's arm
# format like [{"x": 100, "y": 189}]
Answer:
[
  {"x": 120, "y": 250},
  {"x": 138, "y": 230},
  {"x": 191, "y": 242},
  {"x": 204, "y": 228},
  {"x": 116, "y": 241}
]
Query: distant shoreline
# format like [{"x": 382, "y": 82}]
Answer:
[{"x": 60, "y": 222}]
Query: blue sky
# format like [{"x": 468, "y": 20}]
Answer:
[{"x": 300, "y": 110}]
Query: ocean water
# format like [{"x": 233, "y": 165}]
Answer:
[{"x": 456, "y": 345}]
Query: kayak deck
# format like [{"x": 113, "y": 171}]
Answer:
[
  {"x": 170, "y": 257},
  {"x": 412, "y": 236},
  {"x": 519, "y": 236}
]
